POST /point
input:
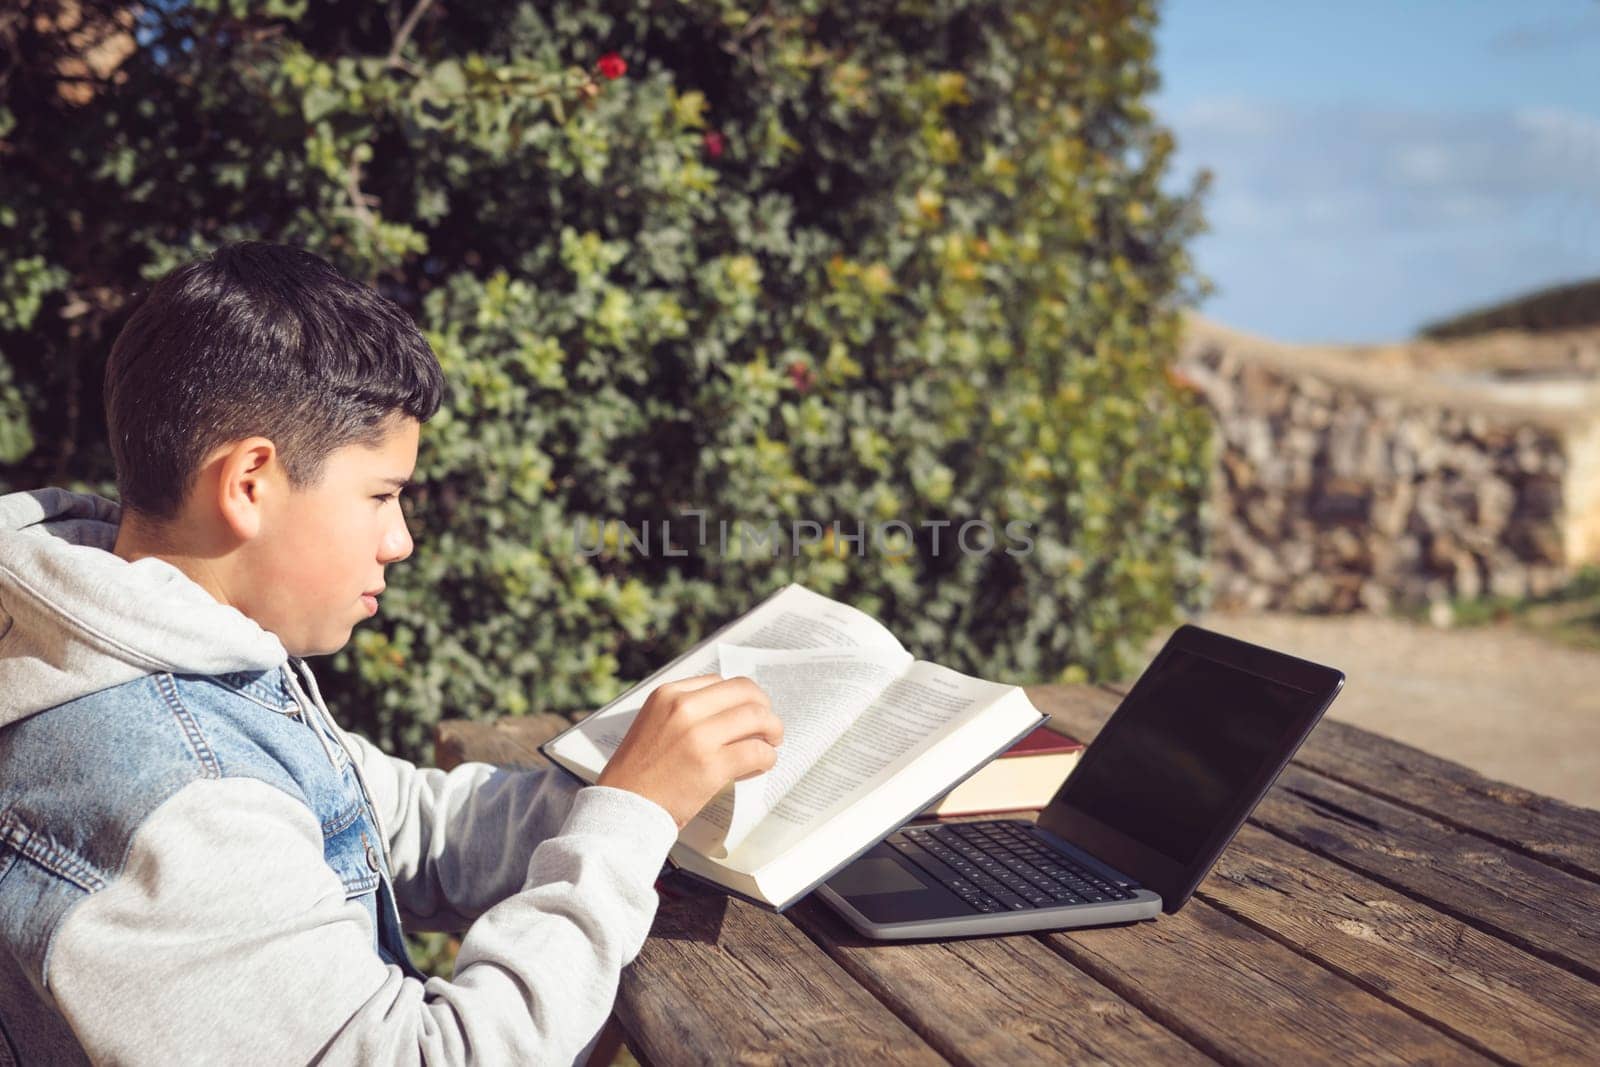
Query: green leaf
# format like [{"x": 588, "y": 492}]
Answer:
[{"x": 319, "y": 103}]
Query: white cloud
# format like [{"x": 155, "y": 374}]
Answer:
[
  {"x": 1425, "y": 164},
  {"x": 1236, "y": 116},
  {"x": 1564, "y": 139},
  {"x": 1333, "y": 168},
  {"x": 1557, "y": 34},
  {"x": 1397, "y": 215}
]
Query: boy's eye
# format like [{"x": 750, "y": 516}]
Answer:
[{"x": 385, "y": 497}]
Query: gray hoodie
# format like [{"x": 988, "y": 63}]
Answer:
[{"x": 182, "y": 833}]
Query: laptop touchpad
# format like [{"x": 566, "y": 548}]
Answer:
[
  {"x": 885, "y": 889},
  {"x": 881, "y": 875}
]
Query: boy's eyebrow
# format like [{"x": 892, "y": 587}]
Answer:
[{"x": 396, "y": 483}]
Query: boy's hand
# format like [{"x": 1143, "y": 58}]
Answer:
[{"x": 691, "y": 738}]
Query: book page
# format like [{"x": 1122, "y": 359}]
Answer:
[
  {"x": 907, "y": 718},
  {"x": 793, "y": 618},
  {"x": 817, "y": 693}
]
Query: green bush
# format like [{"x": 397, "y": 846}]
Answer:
[{"x": 858, "y": 262}]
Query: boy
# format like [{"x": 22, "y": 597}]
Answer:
[{"x": 196, "y": 863}]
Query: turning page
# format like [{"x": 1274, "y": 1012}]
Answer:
[
  {"x": 817, "y": 693},
  {"x": 793, "y": 618},
  {"x": 847, "y": 751}
]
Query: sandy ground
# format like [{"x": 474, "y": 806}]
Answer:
[{"x": 1510, "y": 705}]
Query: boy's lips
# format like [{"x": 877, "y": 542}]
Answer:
[{"x": 370, "y": 601}]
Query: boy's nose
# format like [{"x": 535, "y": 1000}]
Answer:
[{"x": 396, "y": 544}]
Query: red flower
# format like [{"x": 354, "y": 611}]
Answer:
[
  {"x": 612, "y": 65},
  {"x": 714, "y": 144},
  {"x": 800, "y": 375}
]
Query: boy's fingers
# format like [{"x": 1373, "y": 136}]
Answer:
[
  {"x": 747, "y": 720},
  {"x": 688, "y": 685},
  {"x": 745, "y": 687},
  {"x": 749, "y": 757}
]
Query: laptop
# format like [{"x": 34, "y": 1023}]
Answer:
[{"x": 1135, "y": 826}]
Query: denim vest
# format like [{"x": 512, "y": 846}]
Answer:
[{"x": 78, "y": 780}]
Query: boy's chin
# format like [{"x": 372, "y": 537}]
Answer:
[{"x": 320, "y": 645}]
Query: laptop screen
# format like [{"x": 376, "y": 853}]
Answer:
[{"x": 1188, "y": 745}]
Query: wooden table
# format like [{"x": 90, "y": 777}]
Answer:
[{"x": 1381, "y": 906}]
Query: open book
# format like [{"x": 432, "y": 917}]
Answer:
[{"x": 871, "y": 737}]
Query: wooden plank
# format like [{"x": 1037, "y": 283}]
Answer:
[
  {"x": 997, "y": 999},
  {"x": 975, "y": 1017},
  {"x": 721, "y": 981},
  {"x": 1079, "y": 710},
  {"x": 1562, "y": 834},
  {"x": 1546, "y": 911},
  {"x": 511, "y": 741},
  {"x": 1488, "y": 994},
  {"x": 1525, "y": 901},
  {"x": 1242, "y": 997}
]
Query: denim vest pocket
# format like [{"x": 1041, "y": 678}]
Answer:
[{"x": 349, "y": 845}]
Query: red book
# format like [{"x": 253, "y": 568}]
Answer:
[{"x": 1022, "y": 778}]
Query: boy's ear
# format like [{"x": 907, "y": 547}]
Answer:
[{"x": 248, "y": 474}]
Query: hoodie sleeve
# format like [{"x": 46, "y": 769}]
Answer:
[
  {"x": 227, "y": 939},
  {"x": 460, "y": 841}
]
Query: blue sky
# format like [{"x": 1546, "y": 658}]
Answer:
[{"x": 1380, "y": 165}]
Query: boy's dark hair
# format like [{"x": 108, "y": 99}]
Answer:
[{"x": 257, "y": 339}]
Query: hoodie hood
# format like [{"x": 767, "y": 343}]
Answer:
[{"x": 76, "y": 618}]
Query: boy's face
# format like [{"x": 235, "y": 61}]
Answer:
[{"x": 318, "y": 561}]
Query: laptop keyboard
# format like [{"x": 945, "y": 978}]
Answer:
[{"x": 999, "y": 866}]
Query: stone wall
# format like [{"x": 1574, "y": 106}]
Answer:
[{"x": 1352, "y": 480}]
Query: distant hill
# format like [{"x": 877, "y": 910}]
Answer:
[{"x": 1563, "y": 307}]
